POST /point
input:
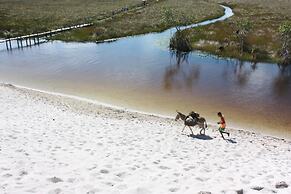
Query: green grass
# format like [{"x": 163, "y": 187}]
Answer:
[
  {"x": 265, "y": 16},
  {"x": 20, "y": 17},
  {"x": 149, "y": 19}
]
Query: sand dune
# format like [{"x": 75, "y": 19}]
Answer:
[{"x": 56, "y": 144}]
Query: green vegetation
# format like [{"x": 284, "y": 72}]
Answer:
[
  {"x": 21, "y": 17},
  {"x": 180, "y": 41},
  {"x": 149, "y": 19},
  {"x": 251, "y": 34},
  {"x": 285, "y": 32},
  {"x": 243, "y": 28}
]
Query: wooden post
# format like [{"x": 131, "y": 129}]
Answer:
[
  {"x": 21, "y": 43},
  {"x": 29, "y": 42},
  {"x": 17, "y": 43},
  {"x": 10, "y": 44},
  {"x": 37, "y": 39},
  {"x": 26, "y": 41},
  {"x": 7, "y": 44}
]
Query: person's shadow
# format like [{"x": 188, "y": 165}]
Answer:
[
  {"x": 230, "y": 141},
  {"x": 201, "y": 136}
]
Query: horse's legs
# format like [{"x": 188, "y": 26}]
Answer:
[
  {"x": 183, "y": 129},
  {"x": 191, "y": 130},
  {"x": 202, "y": 130}
]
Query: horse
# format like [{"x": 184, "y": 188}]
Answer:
[{"x": 191, "y": 120}]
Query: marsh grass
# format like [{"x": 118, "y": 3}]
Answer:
[
  {"x": 263, "y": 40},
  {"x": 180, "y": 42},
  {"x": 141, "y": 21},
  {"x": 20, "y": 17}
]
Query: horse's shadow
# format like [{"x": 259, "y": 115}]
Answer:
[{"x": 201, "y": 136}]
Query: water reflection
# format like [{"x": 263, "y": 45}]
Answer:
[
  {"x": 282, "y": 81},
  {"x": 181, "y": 73},
  {"x": 238, "y": 71},
  {"x": 242, "y": 73},
  {"x": 254, "y": 66}
]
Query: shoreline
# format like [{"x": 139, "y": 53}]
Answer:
[
  {"x": 129, "y": 110},
  {"x": 58, "y": 144},
  {"x": 213, "y": 40}
]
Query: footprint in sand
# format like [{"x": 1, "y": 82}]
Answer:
[
  {"x": 93, "y": 191},
  {"x": 141, "y": 190},
  {"x": 257, "y": 188},
  {"x": 23, "y": 173},
  {"x": 191, "y": 167},
  {"x": 186, "y": 169},
  {"x": 71, "y": 180},
  {"x": 164, "y": 167},
  {"x": 121, "y": 174},
  {"x": 269, "y": 177},
  {"x": 108, "y": 166},
  {"x": 173, "y": 189},
  {"x": 92, "y": 168},
  {"x": 122, "y": 187},
  {"x": 204, "y": 192},
  {"x": 55, "y": 191},
  {"x": 7, "y": 175},
  {"x": 104, "y": 171},
  {"x": 245, "y": 182},
  {"x": 55, "y": 179},
  {"x": 109, "y": 184},
  {"x": 199, "y": 179}
]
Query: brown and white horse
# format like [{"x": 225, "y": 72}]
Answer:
[{"x": 191, "y": 121}]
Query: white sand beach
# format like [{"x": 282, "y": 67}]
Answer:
[{"x": 57, "y": 144}]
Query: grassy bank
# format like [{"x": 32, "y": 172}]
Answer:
[
  {"x": 140, "y": 21},
  {"x": 263, "y": 40},
  {"x": 20, "y": 17}
]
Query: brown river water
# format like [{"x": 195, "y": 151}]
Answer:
[{"x": 140, "y": 73}]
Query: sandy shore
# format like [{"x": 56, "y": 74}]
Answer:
[{"x": 56, "y": 144}]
